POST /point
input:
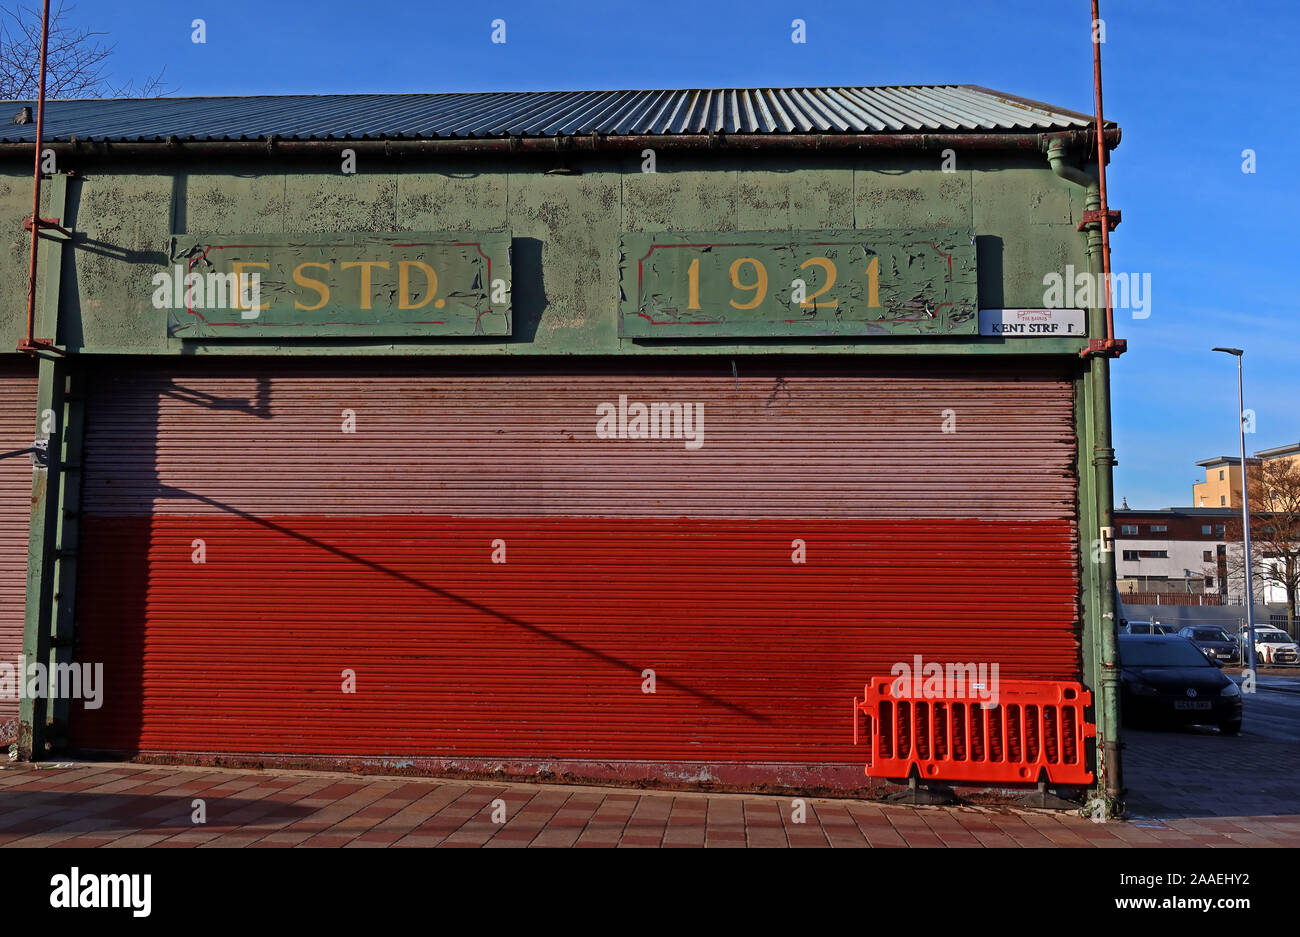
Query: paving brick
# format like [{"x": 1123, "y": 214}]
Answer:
[
  {"x": 606, "y": 825},
  {"x": 686, "y": 821},
  {"x": 472, "y": 814},
  {"x": 763, "y": 825},
  {"x": 838, "y": 826},
  {"x": 568, "y": 823},
  {"x": 529, "y": 820},
  {"x": 420, "y": 809},
  {"x": 373, "y": 840},
  {"x": 648, "y": 821}
]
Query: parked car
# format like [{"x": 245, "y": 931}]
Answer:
[
  {"x": 1147, "y": 627},
  {"x": 1167, "y": 680},
  {"x": 1215, "y": 643},
  {"x": 1273, "y": 646}
]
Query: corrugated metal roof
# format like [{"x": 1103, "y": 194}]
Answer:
[{"x": 893, "y": 109}]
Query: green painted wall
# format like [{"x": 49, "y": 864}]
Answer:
[{"x": 565, "y": 228}]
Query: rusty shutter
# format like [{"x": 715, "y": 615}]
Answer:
[
  {"x": 17, "y": 425},
  {"x": 326, "y": 551}
]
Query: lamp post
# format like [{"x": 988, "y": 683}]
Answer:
[{"x": 1245, "y": 508}]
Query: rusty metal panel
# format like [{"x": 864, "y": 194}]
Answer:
[
  {"x": 17, "y": 426},
  {"x": 372, "y": 550},
  {"x": 346, "y": 284},
  {"x": 763, "y": 284}
]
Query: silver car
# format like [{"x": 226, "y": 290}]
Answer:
[{"x": 1274, "y": 646}]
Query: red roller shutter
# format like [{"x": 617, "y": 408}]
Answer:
[
  {"x": 371, "y": 551},
  {"x": 17, "y": 424}
]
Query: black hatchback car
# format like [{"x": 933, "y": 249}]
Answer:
[
  {"x": 1215, "y": 643},
  {"x": 1167, "y": 680}
]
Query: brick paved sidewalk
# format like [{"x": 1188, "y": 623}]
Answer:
[{"x": 109, "y": 804}]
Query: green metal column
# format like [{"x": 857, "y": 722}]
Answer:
[
  {"x": 1090, "y": 580},
  {"x": 1100, "y": 463},
  {"x": 1103, "y": 463},
  {"x": 32, "y": 713},
  {"x": 1097, "y": 509},
  {"x": 66, "y": 543},
  {"x": 47, "y": 526}
]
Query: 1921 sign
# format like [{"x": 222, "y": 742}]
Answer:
[
  {"x": 774, "y": 284},
  {"x": 325, "y": 285}
]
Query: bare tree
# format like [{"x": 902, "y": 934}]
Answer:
[
  {"x": 76, "y": 61},
  {"x": 1274, "y": 489}
]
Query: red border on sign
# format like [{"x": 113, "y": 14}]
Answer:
[{"x": 640, "y": 271}]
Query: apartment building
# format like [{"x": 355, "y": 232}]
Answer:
[
  {"x": 1172, "y": 550},
  {"x": 1222, "y": 485}
]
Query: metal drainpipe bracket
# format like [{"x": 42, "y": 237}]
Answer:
[
  {"x": 41, "y": 344},
  {"x": 1093, "y": 216},
  {"x": 47, "y": 224},
  {"x": 1104, "y": 347}
]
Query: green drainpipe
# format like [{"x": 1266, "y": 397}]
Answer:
[{"x": 1103, "y": 462}]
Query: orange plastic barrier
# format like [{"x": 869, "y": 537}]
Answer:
[{"x": 1035, "y": 726}]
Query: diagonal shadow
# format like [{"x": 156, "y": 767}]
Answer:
[
  {"x": 468, "y": 603},
  {"x": 258, "y": 406},
  {"x": 33, "y": 812}
]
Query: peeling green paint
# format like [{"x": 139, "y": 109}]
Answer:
[
  {"x": 565, "y": 232},
  {"x": 327, "y": 285},
  {"x": 758, "y": 284}
]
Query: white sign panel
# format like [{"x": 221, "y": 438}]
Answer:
[{"x": 1033, "y": 323}]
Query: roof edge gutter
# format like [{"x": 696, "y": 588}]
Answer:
[{"x": 830, "y": 142}]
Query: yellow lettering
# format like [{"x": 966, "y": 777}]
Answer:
[
  {"x": 759, "y": 286},
  {"x": 237, "y": 268},
  {"x": 322, "y": 289},
  {"x": 365, "y": 266},
  {"x": 404, "y": 283},
  {"x": 829, "y": 267}
]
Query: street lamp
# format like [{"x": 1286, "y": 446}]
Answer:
[{"x": 1245, "y": 508}]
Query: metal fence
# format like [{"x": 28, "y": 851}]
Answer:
[{"x": 1173, "y": 598}]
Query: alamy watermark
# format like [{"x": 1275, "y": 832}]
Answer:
[
  {"x": 77, "y": 889},
  {"x": 176, "y": 289},
  {"x": 1083, "y": 289},
  {"x": 83, "y": 681},
  {"x": 931, "y": 680},
  {"x": 658, "y": 420}
]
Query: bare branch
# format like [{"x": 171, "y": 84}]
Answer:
[
  {"x": 1274, "y": 490},
  {"x": 76, "y": 63}
]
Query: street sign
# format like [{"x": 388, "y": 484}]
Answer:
[{"x": 1034, "y": 323}]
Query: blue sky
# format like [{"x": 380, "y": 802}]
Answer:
[{"x": 1192, "y": 83}]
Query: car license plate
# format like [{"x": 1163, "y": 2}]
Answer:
[{"x": 1192, "y": 704}]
